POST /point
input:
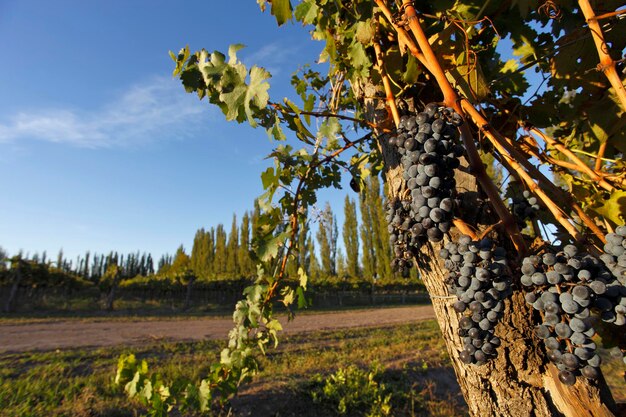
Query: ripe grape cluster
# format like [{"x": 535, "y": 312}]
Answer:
[
  {"x": 403, "y": 239},
  {"x": 614, "y": 256},
  {"x": 566, "y": 287},
  {"x": 524, "y": 207},
  {"x": 479, "y": 276},
  {"x": 427, "y": 143}
]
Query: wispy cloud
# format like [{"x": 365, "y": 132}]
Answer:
[
  {"x": 273, "y": 57},
  {"x": 156, "y": 110}
]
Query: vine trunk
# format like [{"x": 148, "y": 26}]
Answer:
[{"x": 520, "y": 381}]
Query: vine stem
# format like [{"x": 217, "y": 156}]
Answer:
[
  {"x": 452, "y": 99},
  {"x": 610, "y": 14},
  {"x": 607, "y": 65},
  {"x": 294, "y": 217},
  {"x": 465, "y": 228},
  {"x": 403, "y": 36},
  {"x": 572, "y": 157},
  {"x": 512, "y": 156},
  {"x": 283, "y": 109},
  {"x": 601, "y": 151},
  {"x": 391, "y": 102}
]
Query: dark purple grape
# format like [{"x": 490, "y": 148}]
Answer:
[{"x": 567, "y": 378}]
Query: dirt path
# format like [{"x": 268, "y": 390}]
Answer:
[{"x": 75, "y": 334}]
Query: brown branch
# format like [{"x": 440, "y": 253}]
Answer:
[
  {"x": 391, "y": 101},
  {"x": 572, "y": 157},
  {"x": 450, "y": 96},
  {"x": 451, "y": 99},
  {"x": 507, "y": 149},
  {"x": 284, "y": 109},
  {"x": 560, "y": 216},
  {"x": 609, "y": 15},
  {"x": 619, "y": 179},
  {"x": 487, "y": 230},
  {"x": 294, "y": 217},
  {"x": 465, "y": 228},
  {"x": 403, "y": 36},
  {"x": 601, "y": 151},
  {"x": 607, "y": 65}
]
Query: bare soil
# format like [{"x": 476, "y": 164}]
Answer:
[{"x": 67, "y": 334}]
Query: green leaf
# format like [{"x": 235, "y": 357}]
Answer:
[
  {"x": 126, "y": 368},
  {"x": 269, "y": 178},
  {"x": 306, "y": 12},
  {"x": 614, "y": 209},
  {"x": 302, "y": 301},
  {"x": 364, "y": 32},
  {"x": 146, "y": 391},
  {"x": 288, "y": 296},
  {"x": 412, "y": 70},
  {"x": 329, "y": 129},
  {"x": 268, "y": 248},
  {"x": 281, "y": 9},
  {"x": 358, "y": 57},
  {"x": 131, "y": 386},
  {"x": 204, "y": 392},
  {"x": 256, "y": 92},
  {"x": 302, "y": 277},
  {"x": 276, "y": 131},
  {"x": 232, "y": 53},
  {"x": 307, "y": 106},
  {"x": 233, "y": 102}
]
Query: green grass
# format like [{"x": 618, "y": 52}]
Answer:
[
  {"x": 413, "y": 363},
  {"x": 79, "y": 382}
]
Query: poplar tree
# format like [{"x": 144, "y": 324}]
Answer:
[
  {"x": 232, "y": 250},
  {"x": 313, "y": 267},
  {"x": 367, "y": 232},
  {"x": 379, "y": 230},
  {"x": 327, "y": 238},
  {"x": 181, "y": 263},
  {"x": 200, "y": 254},
  {"x": 351, "y": 238},
  {"x": 220, "y": 251},
  {"x": 246, "y": 266}
]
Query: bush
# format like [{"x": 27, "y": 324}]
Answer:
[{"x": 352, "y": 391}]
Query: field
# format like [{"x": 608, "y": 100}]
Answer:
[
  {"x": 396, "y": 370},
  {"x": 408, "y": 362}
]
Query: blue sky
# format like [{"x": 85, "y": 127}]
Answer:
[{"x": 100, "y": 149}]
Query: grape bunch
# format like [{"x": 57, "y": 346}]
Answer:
[
  {"x": 614, "y": 256},
  {"x": 479, "y": 276},
  {"x": 427, "y": 143},
  {"x": 403, "y": 235},
  {"x": 566, "y": 288},
  {"x": 524, "y": 207}
]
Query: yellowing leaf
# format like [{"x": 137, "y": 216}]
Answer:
[
  {"x": 281, "y": 9},
  {"x": 306, "y": 12},
  {"x": 614, "y": 209},
  {"x": 256, "y": 92},
  {"x": 364, "y": 32}
]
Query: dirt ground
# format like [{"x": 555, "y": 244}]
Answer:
[{"x": 78, "y": 333}]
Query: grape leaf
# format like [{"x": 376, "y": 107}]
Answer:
[
  {"x": 614, "y": 209},
  {"x": 256, "y": 92},
  {"x": 306, "y": 12},
  {"x": 281, "y": 10}
]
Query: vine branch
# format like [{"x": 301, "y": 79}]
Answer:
[
  {"x": 391, "y": 102},
  {"x": 607, "y": 65},
  {"x": 572, "y": 157},
  {"x": 514, "y": 157}
]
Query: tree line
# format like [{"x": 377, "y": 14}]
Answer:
[{"x": 218, "y": 255}]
